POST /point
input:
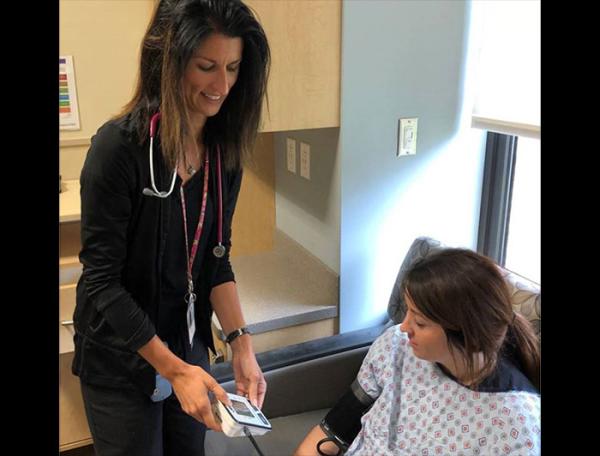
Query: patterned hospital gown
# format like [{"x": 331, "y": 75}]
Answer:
[{"x": 420, "y": 411}]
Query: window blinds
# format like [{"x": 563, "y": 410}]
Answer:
[{"x": 507, "y": 72}]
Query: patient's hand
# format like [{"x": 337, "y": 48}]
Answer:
[{"x": 308, "y": 447}]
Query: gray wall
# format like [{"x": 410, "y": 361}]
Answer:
[
  {"x": 402, "y": 59},
  {"x": 309, "y": 211}
]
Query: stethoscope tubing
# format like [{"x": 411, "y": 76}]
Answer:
[{"x": 219, "y": 250}]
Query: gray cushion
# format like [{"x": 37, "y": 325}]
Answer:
[
  {"x": 309, "y": 385},
  {"x": 421, "y": 248},
  {"x": 287, "y": 433}
]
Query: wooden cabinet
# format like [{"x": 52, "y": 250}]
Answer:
[
  {"x": 305, "y": 41},
  {"x": 73, "y": 428},
  {"x": 254, "y": 217}
]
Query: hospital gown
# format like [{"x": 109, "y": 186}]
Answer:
[{"x": 420, "y": 411}]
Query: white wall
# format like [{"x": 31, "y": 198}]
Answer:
[{"x": 402, "y": 59}]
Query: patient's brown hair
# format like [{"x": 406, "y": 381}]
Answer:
[{"x": 465, "y": 293}]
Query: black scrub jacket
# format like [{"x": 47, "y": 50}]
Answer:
[{"x": 123, "y": 235}]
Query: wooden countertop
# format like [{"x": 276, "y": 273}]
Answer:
[{"x": 70, "y": 202}]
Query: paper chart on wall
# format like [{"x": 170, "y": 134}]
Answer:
[{"x": 67, "y": 94}]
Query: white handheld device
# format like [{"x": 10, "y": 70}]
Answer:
[{"x": 241, "y": 414}]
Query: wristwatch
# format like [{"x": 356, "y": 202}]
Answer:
[{"x": 236, "y": 333}]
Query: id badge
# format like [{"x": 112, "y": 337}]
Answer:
[
  {"x": 162, "y": 389},
  {"x": 191, "y": 321}
]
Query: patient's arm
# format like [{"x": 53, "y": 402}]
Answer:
[
  {"x": 342, "y": 423},
  {"x": 308, "y": 447},
  {"x": 340, "y": 426}
]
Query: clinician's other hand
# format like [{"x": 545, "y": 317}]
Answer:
[
  {"x": 191, "y": 386},
  {"x": 249, "y": 379}
]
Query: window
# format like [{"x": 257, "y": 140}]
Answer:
[
  {"x": 509, "y": 224},
  {"x": 506, "y": 41},
  {"x": 523, "y": 242}
]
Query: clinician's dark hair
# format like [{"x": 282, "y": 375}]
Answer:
[
  {"x": 175, "y": 31},
  {"x": 465, "y": 293}
]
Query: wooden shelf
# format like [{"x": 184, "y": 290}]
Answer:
[
  {"x": 68, "y": 260},
  {"x": 70, "y": 202},
  {"x": 73, "y": 427}
]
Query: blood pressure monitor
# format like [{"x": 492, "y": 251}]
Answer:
[{"x": 241, "y": 414}]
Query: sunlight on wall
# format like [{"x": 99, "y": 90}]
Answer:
[{"x": 435, "y": 201}]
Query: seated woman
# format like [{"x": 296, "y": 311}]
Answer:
[{"x": 460, "y": 375}]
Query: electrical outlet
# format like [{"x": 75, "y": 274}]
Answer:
[
  {"x": 305, "y": 160},
  {"x": 407, "y": 136},
  {"x": 291, "y": 155}
]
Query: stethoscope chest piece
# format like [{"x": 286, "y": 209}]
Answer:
[{"x": 219, "y": 251}]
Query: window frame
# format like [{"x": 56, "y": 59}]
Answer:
[{"x": 496, "y": 195}]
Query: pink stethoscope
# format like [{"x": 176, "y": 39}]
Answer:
[{"x": 219, "y": 249}]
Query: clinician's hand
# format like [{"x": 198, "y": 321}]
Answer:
[
  {"x": 249, "y": 379},
  {"x": 191, "y": 386}
]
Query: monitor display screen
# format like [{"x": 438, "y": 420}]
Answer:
[{"x": 241, "y": 408}]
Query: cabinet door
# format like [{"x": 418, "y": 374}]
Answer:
[
  {"x": 66, "y": 304},
  {"x": 305, "y": 41},
  {"x": 73, "y": 427}
]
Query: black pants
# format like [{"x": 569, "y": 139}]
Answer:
[{"x": 125, "y": 422}]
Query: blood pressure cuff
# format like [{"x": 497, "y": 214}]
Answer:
[{"x": 342, "y": 423}]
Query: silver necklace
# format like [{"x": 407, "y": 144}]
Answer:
[{"x": 190, "y": 170}]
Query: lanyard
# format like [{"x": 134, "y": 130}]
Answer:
[{"x": 191, "y": 256}]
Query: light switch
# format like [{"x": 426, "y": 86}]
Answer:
[
  {"x": 407, "y": 136},
  {"x": 291, "y": 155}
]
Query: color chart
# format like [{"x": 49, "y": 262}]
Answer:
[{"x": 67, "y": 95}]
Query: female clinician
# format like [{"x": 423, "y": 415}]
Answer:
[{"x": 158, "y": 192}]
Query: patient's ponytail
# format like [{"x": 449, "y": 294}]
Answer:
[{"x": 525, "y": 345}]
